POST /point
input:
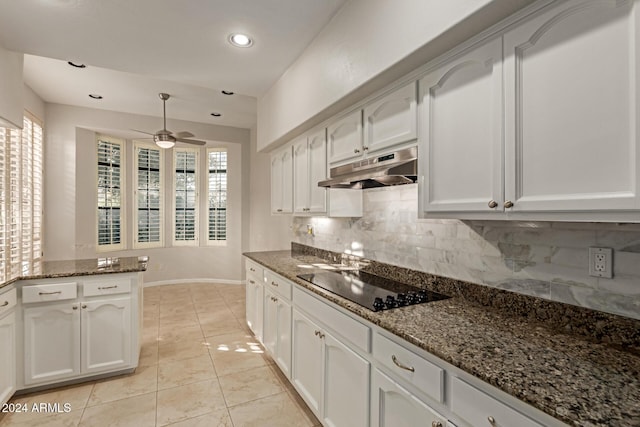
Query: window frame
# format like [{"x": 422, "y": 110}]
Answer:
[
  {"x": 217, "y": 242},
  {"x": 161, "y": 243},
  {"x": 123, "y": 196},
  {"x": 196, "y": 240}
]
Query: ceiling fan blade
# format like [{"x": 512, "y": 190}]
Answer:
[
  {"x": 141, "y": 131},
  {"x": 191, "y": 141},
  {"x": 184, "y": 134}
]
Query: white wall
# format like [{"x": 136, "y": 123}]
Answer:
[
  {"x": 70, "y": 194},
  {"x": 367, "y": 45}
]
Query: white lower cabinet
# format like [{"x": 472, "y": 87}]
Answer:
[
  {"x": 77, "y": 329},
  {"x": 254, "y": 285},
  {"x": 7, "y": 345},
  {"x": 106, "y": 335},
  {"x": 332, "y": 378},
  {"x": 51, "y": 342},
  {"x": 394, "y": 406},
  {"x": 277, "y": 329}
]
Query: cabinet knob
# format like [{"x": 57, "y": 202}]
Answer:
[
  {"x": 274, "y": 283},
  {"x": 321, "y": 335},
  {"x": 436, "y": 424},
  {"x": 4, "y": 304},
  {"x": 493, "y": 204},
  {"x": 252, "y": 282},
  {"x": 278, "y": 210},
  {"x": 355, "y": 150},
  {"x": 508, "y": 204},
  {"x": 75, "y": 307},
  {"x": 84, "y": 306},
  {"x": 316, "y": 332},
  {"x": 365, "y": 148},
  {"x": 275, "y": 299},
  {"x": 252, "y": 269},
  {"x": 491, "y": 420}
]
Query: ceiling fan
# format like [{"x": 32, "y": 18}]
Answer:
[{"x": 165, "y": 138}]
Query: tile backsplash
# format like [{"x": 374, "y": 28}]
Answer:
[{"x": 544, "y": 259}]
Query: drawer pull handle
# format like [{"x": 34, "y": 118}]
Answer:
[
  {"x": 400, "y": 365},
  {"x": 321, "y": 335},
  {"x": 107, "y": 287},
  {"x": 252, "y": 282},
  {"x": 436, "y": 424},
  {"x": 317, "y": 333},
  {"x": 252, "y": 269},
  {"x": 50, "y": 293},
  {"x": 492, "y": 420},
  {"x": 274, "y": 283},
  {"x": 4, "y": 304}
]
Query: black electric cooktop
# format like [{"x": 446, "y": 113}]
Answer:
[{"x": 373, "y": 292}]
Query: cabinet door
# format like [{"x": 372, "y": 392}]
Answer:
[
  {"x": 106, "y": 335},
  {"x": 276, "y": 183},
  {"x": 300, "y": 176},
  {"x": 282, "y": 181},
  {"x": 571, "y": 76},
  {"x": 394, "y": 406},
  {"x": 344, "y": 138},
  {"x": 346, "y": 386},
  {"x": 51, "y": 342},
  {"x": 7, "y": 357},
  {"x": 391, "y": 120},
  {"x": 317, "y": 172},
  {"x": 461, "y": 144},
  {"x": 254, "y": 305},
  {"x": 282, "y": 353},
  {"x": 306, "y": 370},
  {"x": 270, "y": 326}
]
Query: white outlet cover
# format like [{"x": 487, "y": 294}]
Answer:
[{"x": 601, "y": 262}]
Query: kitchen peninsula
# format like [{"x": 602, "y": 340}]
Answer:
[{"x": 66, "y": 321}]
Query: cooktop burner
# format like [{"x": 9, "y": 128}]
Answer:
[{"x": 373, "y": 292}]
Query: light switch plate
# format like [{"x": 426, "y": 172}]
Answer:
[{"x": 601, "y": 262}]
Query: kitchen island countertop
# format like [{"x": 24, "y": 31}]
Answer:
[
  {"x": 81, "y": 267},
  {"x": 569, "y": 376}
]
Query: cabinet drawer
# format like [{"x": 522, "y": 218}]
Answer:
[
  {"x": 477, "y": 408},
  {"x": 409, "y": 366},
  {"x": 253, "y": 268},
  {"x": 351, "y": 329},
  {"x": 106, "y": 287},
  {"x": 52, "y": 292},
  {"x": 278, "y": 284},
  {"x": 7, "y": 301}
]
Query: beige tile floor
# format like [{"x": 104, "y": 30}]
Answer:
[{"x": 199, "y": 367}]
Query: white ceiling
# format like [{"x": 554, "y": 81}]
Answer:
[{"x": 135, "y": 49}]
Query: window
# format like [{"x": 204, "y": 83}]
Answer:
[
  {"x": 110, "y": 201},
  {"x": 217, "y": 194},
  {"x": 20, "y": 198},
  {"x": 148, "y": 196},
  {"x": 186, "y": 196}
]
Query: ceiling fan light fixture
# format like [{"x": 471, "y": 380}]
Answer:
[
  {"x": 164, "y": 140},
  {"x": 240, "y": 40}
]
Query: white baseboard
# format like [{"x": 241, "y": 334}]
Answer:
[{"x": 183, "y": 281}]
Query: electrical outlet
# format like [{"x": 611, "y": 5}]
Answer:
[{"x": 601, "y": 262}]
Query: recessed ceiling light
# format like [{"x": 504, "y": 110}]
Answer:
[
  {"x": 73, "y": 64},
  {"x": 240, "y": 40},
  {"x": 95, "y": 96},
  {"x": 227, "y": 92},
  {"x": 216, "y": 114}
]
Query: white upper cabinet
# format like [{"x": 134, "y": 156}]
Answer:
[
  {"x": 391, "y": 119},
  {"x": 571, "y": 76},
  {"x": 11, "y": 88},
  {"x": 344, "y": 138},
  {"x": 309, "y": 167},
  {"x": 282, "y": 181},
  {"x": 461, "y": 143}
]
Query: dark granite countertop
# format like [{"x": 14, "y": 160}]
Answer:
[
  {"x": 573, "y": 377},
  {"x": 81, "y": 267}
]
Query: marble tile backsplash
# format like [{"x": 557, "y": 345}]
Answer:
[{"x": 544, "y": 259}]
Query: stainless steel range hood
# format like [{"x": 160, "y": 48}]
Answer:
[{"x": 398, "y": 167}]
